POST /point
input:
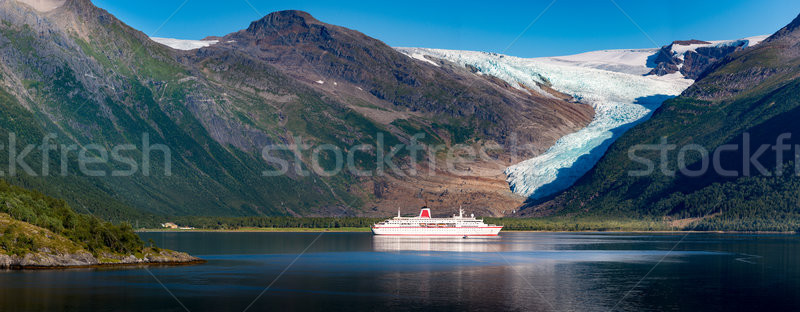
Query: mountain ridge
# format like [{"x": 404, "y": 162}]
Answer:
[{"x": 80, "y": 73}]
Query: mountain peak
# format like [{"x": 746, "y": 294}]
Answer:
[
  {"x": 292, "y": 14},
  {"x": 789, "y": 30},
  {"x": 288, "y": 19}
]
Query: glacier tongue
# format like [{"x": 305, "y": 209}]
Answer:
[{"x": 611, "y": 81}]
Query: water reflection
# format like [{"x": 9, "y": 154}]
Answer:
[
  {"x": 360, "y": 272},
  {"x": 452, "y": 244}
]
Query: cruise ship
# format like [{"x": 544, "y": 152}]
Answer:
[{"x": 424, "y": 225}]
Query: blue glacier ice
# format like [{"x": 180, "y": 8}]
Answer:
[{"x": 611, "y": 81}]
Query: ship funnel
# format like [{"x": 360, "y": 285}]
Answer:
[{"x": 425, "y": 213}]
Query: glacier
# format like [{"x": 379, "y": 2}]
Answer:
[
  {"x": 611, "y": 81},
  {"x": 183, "y": 44}
]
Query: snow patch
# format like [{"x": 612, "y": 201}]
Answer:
[
  {"x": 419, "y": 56},
  {"x": 611, "y": 81},
  {"x": 631, "y": 61},
  {"x": 43, "y": 5},
  {"x": 181, "y": 44},
  {"x": 754, "y": 40}
]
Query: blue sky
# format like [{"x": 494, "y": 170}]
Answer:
[{"x": 567, "y": 27}]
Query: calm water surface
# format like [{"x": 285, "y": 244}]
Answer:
[{"x": 359, "y": 272}]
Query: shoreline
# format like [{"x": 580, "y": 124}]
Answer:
[
  {"x": 102, "y": 265},
  {"x": 367, "y": 230},
  {"x": 43, "y": 260}
]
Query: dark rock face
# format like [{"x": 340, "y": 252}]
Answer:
[
  {"x": 690, "y": 42},
  {"x": 664, "y": 69},
  {"x": 665, "y": 62},
  {"x": 665, "y": 55},
  {"x": 694, "y": 62}
]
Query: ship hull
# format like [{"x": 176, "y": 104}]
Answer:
[{"x": 437, "y": 231}]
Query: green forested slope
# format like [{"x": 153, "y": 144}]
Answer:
[
  {"x": 749, "y": 98},
  {"x": 84, "y": 231}
]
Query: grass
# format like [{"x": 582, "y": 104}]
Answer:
[
  {"x": 33, "y": 220},
  {"x": 20, "y": 238}
]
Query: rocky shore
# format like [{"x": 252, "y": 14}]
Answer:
[{"x": 44, "y": 259}]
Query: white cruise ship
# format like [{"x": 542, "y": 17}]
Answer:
[{"x": 424, "y": 225}]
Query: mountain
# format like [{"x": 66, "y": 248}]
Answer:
[
  {"x": 344, "y": 64},
  {"x": 78, "y": 73},
  {"x": 737, "y": 127},
  {"x": 182, "y": 132},
  {"x": 693, "y": 57}
]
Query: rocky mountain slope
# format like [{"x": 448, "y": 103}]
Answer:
[
  {"x": 75, "y": 71},
  {"x": 742, "y": 112},
  {"x": 345, "y": 64},
  {"x": 693, "y": 57}
]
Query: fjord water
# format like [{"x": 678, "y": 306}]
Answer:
[{"x": 359, "y": 272}]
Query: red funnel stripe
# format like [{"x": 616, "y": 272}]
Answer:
[{"x": 425, "y": 213}]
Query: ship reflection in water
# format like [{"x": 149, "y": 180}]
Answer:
[{"x": 445, "y": 243}]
